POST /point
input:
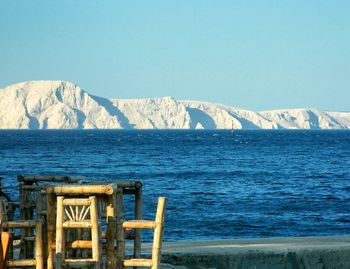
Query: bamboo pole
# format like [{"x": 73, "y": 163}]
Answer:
[
  {"x": 129, "y": 184},
  {"x": 20, "y": 263},
  {"x": 3, "y": 213},
  {"x": 158, "y": 233},
  {"x": 19, "y": 224},
  {"x": 50, "y": 211},
  {"x": 30, "y": 216},
  {"x": 139, "y": 224},
  {"x": 76, "y": 202},
  {"x": 38, "y": 203},
  {"x": 138, "y": 216},
  {"x": 11, "y": 247},
  {"x": 79, "y": 263},
  {"x": 78, "y": 189},
  {"x": 39, "y": 259},
  {"x": 138, "y": 262},
  {"x": 58, "y": 261},
  {"x": 120, "y": 231},
  {"x": 41, "y": 214},
  {"x": 34, "y": 187},
  {"x": 60, "y": 240},
  {"x": 22, "y": 216},
  {"x": 111, "y": 231},
  {"x": 77, "y": 224},
  {"x": 95, "y": 233},
  {"x": 77, "y": 244},
  {"x": 32, "y": 179}
]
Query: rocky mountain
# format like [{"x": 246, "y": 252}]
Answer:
[{"x": 63, "y": 105}]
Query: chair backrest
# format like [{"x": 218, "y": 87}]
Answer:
[
  {"x": 158, "y": 226},
  {"x": 77, "y": 213},
  {"x": 158, "y": 232}
]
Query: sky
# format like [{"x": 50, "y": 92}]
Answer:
[{"x": 257, "y": 55}]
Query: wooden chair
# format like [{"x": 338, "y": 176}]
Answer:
[
  {"x": 158, "y": 226},
  {"x": 72, "y": 213}
]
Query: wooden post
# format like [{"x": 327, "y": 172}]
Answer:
[
  {"x": 50, "y": 213},
  {"x": 158, "y": 233},
  {"x": 138, "y": 216},
  {"x": 39, "y": 245},
  {"x": 95, "y": 233},
  {"x": 3, "y": 214},
  {"x": 22, "y": 216},
  {"x": 86, "y": 236},
  {"x": 120, "y": 230},
  {"x": 29, "y": 215},
  {"x": 111, "y": 231},
  {"x": 40, "y": 204},
  {"x": 111, "y": 234},
  {"x": 58, "y": 261}
]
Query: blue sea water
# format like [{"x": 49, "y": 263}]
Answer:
[{"x": 219, "y": 185}]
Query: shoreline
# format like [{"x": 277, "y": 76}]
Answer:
[{"x": 283, "y": 252}]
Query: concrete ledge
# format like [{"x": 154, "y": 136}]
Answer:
[{"x": 268, "y": 253}]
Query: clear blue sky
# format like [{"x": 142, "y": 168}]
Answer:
[{"x": 251, "y": 54}]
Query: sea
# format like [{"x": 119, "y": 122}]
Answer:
[{"x": 219, "y": 184}]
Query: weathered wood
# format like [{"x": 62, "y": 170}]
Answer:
[
  {"x": 110, "y": 235},
  {"x": 138, "y": 216},
  {"x": 39, "y": 259},
  {"x": 41, "y": 215},
  {"x": 50, "y": 222},
  {"x": 79, "y": 263},
  {"x": 21, "y": 263},
  {"x": 120, "y": 230},
  {"x": 32, "y": 179},
  {"x": 129, "y": 184},
  {"x": 58, "y": 261},
  {"x": 111, "y": 231},
  {"x": 22, "y": 216},
  {"x": 3, "y": 213},
  {"x": 19, "y": 224},
  {"x": 138, "y": 262},
  {"x": 33, "y": 187}
]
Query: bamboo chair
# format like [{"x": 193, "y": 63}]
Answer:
[
  {"x": 72, "y": 213},
  {"x": 37, "y": 262},
  {"x": 32, "y": 205},
  {"x": 158, "y": 226}
]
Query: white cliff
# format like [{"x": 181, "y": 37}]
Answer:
[{"x": 63, "y": 105}]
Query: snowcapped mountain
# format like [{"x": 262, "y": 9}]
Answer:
[{"x": 63, "y": 105}]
